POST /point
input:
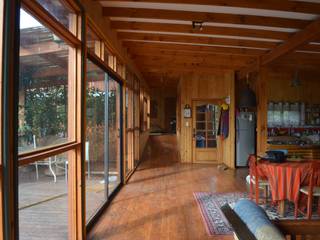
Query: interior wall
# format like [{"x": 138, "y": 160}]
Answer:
[
  {"x": 159, "y": 96},
  {"x": 198, "y": 86},
  {"x": 274, "y": 84}
]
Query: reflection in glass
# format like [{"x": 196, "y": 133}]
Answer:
[
  {"x": 114, "y": 134},
  {"x": 43, "y": 86},
  {"x": 207, "y": 119},
  {"x": 43, "y": 199},
  {"x": 96, "y": 157},
  {"x": 60, "y": 12}
]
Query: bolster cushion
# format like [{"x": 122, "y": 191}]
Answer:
[{"x": 257, "y": 220}]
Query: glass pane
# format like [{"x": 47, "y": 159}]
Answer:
[
  {"x": 93, "y": 41},
  {"x": 201, "y": 125},
  {"x": 201, "y": 117},
  {"x": 43, "y": 86},
  {"x": 61, "y": 12},
  {"x": 212, "y": 143},
  {"x": 211, "y": 134},
  {"x": 43, "y": 199},
  {"x": 200, "y": 141},
  {"x": 114, "y": 134},
  {"x": 95, "y": 144},
  {"x": 201, "y": 109}
]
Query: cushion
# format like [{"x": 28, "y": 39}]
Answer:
[{"x": 257, "y": 220}]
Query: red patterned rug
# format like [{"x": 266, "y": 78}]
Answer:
[{"x": 209, "y": 205}]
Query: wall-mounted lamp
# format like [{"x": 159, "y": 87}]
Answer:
[{"x": 197, "y": 25}]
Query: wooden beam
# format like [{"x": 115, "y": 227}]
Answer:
[
  {"x": 181, "y": 28},
  {"x": 193, "y": 59},
  {"x": 184, "y": 69},
  {"x": 125, "y": 36},
  {"x": 204, "y": 17},
  {"x": 152, "y": 47},
  {"x": 152, "y": 52},
  {"x": 311, "y": 32},
  {"x": 290, "y": 6}
]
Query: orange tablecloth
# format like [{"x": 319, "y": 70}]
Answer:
[{"x": 285, "y": 179}]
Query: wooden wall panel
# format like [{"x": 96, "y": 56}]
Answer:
[
  {"x": 274, "y": 84},
  {"x": 159, "y": 95},
  {"x": 200, "y": 87}
]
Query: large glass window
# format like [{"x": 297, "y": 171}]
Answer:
[
  {"x": 103, "y": 138},
  {"x": 45, "y": 73},
  {"x": 96, "y": 144},
  {"x": 48, "y": 142},
  {"x": 114, "y": 134},
  {"x": 61, "y": 12},
  {"x": 43, "y": 199}
]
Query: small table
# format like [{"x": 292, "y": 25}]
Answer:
[{"x": 285, "y": 180}]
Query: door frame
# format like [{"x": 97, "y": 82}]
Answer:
[{"x": 216, "y": 101}]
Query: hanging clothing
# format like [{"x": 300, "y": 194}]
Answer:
[{"x": 223, "y": 130}]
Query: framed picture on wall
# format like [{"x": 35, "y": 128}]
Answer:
[{"x": 187, "y": 111}]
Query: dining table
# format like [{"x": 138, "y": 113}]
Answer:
[{"x": 285, "y": 180}]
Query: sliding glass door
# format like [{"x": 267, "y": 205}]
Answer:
[
  {"x": 114, "y": 122},
  {"x": 103, "y": 138}
]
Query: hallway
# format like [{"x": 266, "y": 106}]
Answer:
[{"x": 158, "y": 202}]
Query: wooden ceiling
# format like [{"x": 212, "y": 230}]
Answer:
[{"x": 236, "y": 34}]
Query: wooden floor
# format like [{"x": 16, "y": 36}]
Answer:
[{"x": 158, "y": 202}]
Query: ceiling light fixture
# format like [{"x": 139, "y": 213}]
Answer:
[{"x": 198, "y": 25}]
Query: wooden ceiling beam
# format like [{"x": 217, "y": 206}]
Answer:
[
  {"x": 185, "y": 69},
  {"x": 149, "y": 52},
  {"x": 309, "y": 33},
  {"x": 125, "y": 36},
  {"x": 181, "y": 28},
  {"x": 209, "y": 59},
  {"x": 156, "y": 47},
  {"x": 204, "y": 17},
  {"x": 292, "y": 6}
]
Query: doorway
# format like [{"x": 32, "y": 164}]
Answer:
[{"x": 205, "y": 127}]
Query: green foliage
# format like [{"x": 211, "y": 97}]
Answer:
[{"x": 45, "y": 111}]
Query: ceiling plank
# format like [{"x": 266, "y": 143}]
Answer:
[
  {"x": 180, "y": 28},
  {"x": 125, "y": 36},
  {"x": 292, "y": 6},
  {"x": 204, "y": 17},
  {"x": 154, "y": 47},
  {"x": 311, "y": 32}
]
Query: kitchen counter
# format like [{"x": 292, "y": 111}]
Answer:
[{"x": 305, "y": 151}]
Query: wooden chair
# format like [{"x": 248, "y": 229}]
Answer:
[
  {"x": 255, "y": 178},
  {"x": 311, "y": 190}
]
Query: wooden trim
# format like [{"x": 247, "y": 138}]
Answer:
[
  {"x": 81, "y": 130},
  {"x": 128, "y": 36},
  {"x": 94, "y": 58},
  {"x": 290, "y": 6},
  {"x": 153, "y": 47},
  {"x": 182, "y": 28},
  {"x": 32, "y": 157},
  {"x": 72, "y": 5},
  {"x": 104, "y": 40},
  {"x": 10, "y": 96},
  {"x": 1, "y": 119},
  {"x": 204, "y": 17},
  {"x": 49, "y": 21}
]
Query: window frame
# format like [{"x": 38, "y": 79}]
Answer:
[{"x": 75, "y": 122}]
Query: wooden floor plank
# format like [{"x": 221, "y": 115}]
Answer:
[{"x": 158, "y": 201}]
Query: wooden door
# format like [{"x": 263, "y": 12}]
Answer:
[{"x": 205, "y": 127}]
